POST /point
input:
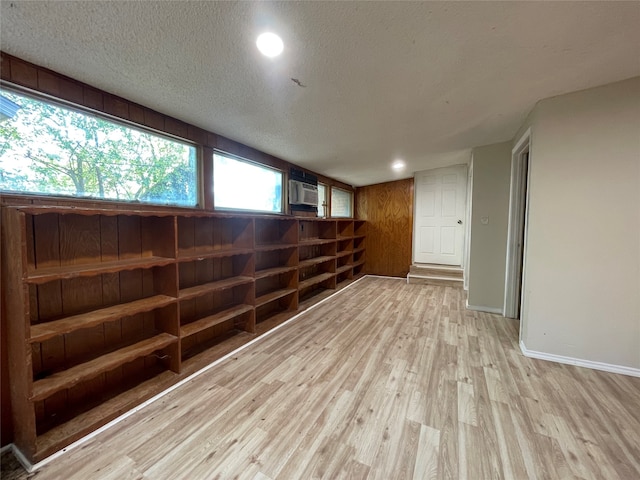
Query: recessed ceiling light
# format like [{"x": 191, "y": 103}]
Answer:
[
  {"x": 398, "y": 165},
  {"x": 270, "y": 44}
]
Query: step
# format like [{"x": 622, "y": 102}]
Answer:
[
  {"x": 445, "y": 271},
  {"x": 414, "y": 279}
]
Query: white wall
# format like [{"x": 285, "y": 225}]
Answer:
[
  {"x": 489, "y": 201},
  {"x": 582, "y": 251}
]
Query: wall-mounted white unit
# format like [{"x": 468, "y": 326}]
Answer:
[{"x": 301, "y": 193}]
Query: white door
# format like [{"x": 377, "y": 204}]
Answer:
[{"x": 439, "y": 213}]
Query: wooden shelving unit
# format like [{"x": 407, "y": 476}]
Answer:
[
  {"x": 216, "y": 264},
  {"x": 360, "y": 233},
  {"x": 91, "y": 298},
  {"x": 276, "y": 281},
  {"x": 108, "y": 307},
  {"x": 317, "y": 253}
]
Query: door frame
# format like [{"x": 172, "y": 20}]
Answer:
[
  {"x": 465, "y": 167},
  {"x": 467, "y": 230},
  {"x": 518, "y": 207}
]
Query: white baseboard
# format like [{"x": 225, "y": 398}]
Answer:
[
  {"x": 578, "y": 362},
  {"x": 28, "y": 466},
  {"x": 6, "y": 447},
  {"x": 497, "y": 311}
]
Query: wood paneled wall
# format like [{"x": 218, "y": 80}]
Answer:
[{"x": 388, "y": 209}]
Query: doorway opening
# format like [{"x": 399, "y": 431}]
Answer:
[{"x": 517, "y": 230}]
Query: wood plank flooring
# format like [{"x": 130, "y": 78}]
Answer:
[{"x": 383, "y": 381}]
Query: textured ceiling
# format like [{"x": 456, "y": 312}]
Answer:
[{"x": 418, "y": 80}]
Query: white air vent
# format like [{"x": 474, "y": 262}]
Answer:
[{"x": 301, "y": 193}]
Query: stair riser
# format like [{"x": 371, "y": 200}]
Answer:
[
  {"x": 436, "y": 272},
  {"x": 433, "y": 281}
]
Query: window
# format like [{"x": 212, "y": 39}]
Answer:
[
  {"x": 45, "y": 148},
  {"x": 341, "y": 203},
  {"x": 322, "y": 200},
  {"x": 242, "y": 185}
]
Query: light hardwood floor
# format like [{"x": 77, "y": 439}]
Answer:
[{"x": 387, "y": 381}]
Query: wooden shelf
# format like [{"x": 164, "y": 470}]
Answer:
[
  {"x": 314, "y": 280},
  {"x": 40, "y": 250},
  {"x": 315, "y": 241},
  {"x": 269, "y": 272},
  {"x": 94, "y": 418},
  {"x": 196, "y": 291},
  {"x": 47, "y": 330},
  {"x": 227, "y": 343},
  {"x": 212, "y": 320},
  {"x": 108, "y": 212},
  {"x": 274, "y": 246},
  {"x": 314, "y": 261},
  {"x": 192, "y": 257},
  {"x": 68, "y": 378},
  {"x": 344, "y": 268},
  {"x": 44, "y": 275},
  {"x": 275, "y": 295}
]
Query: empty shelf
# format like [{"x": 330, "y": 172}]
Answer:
[
  {"x": 47, "y": 330},
  {"x": 68, "y": 378},
  {"x": 314, "y": 280},
  {"x": 316, "y": 241},
  {"x": 191, "y": 292},
  {"x": 314, "y": 261},
  {"x": 275, "y": 295},
  {"x": 195, "y": 256},
  {"x": 269, "y": 272},
  {"x": 211, "y": 320},
  {"x": 48, "y": 274},
  {"x": 274, "y": 246},
  {"x": 344, "y": 268},
  {"x": 88, "y": 421}
]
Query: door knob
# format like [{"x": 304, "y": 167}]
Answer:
[{"x": 459, "y": 222}]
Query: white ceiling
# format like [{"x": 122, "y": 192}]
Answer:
[{"x": 423, "y": 81}]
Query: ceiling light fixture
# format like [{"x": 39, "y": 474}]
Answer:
[
  {"x": 398, "y": 165},
  {"x": 269, "y": 44}
]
